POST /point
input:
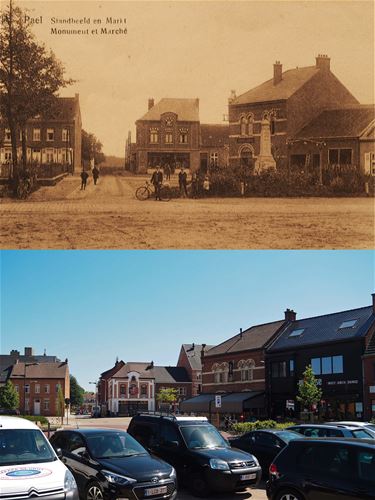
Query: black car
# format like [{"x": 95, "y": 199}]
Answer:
[
  {"x": 329, "y": 430},
  {"x": 203, "y": 459},
  {"x": 265, "y": 444},
  {"x": 323, "y": 468},
  {"x": 109, "y": 463}
]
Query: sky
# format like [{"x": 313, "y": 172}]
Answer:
[
  {"x": 94, "y": 306},
  {"x": 198, "y": 49}
]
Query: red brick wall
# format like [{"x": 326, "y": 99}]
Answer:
[{"x": 42, "y": 396}]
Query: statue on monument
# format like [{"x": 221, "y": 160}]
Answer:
[{"x": 265, "y": 159}]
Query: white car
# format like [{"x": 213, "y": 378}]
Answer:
[
  {"x": 29, "y": 467},
  {"x": 369, "y": 426}
]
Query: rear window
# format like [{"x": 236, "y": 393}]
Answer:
[
  {"x": 328, "y": 460},
  {"x": 366, "y": 465},
  {"x": 361, "y": 434},
  {"x": 288, "y": 435},
  {"x": 24, "y": 446}
]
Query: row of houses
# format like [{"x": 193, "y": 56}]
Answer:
[
  {"x": 302, "y": 117},
  {"x": 257, "y": 371}
]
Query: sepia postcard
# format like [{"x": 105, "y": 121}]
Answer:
[{"x": 251, "y": 122}]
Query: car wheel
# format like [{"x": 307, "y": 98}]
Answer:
[
  {"x": 198, "y": 486},
  {"x": 94, "y": 492},
  {"x": 289, "y": 495}
]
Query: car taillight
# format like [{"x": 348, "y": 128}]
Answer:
[{"x": 273, "y": 471}]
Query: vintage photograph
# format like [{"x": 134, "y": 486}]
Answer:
[{"x": 252, "y": 123}]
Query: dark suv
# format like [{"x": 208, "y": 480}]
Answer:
[
  {"x": 203, "y": 459},
  {"x": 323, "y": 468}
]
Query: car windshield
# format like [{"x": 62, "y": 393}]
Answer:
[
  {"x": 203, "y": 436},
  {"x": 116, "y": 444},
  {"x": 288, "y": 435},
  {"x": 24, "y": 446}
]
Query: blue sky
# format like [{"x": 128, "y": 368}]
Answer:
[{"x": 91, "y": 306}]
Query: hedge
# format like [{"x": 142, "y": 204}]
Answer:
[
  {"x": 242, "y": 427},
  {"x": 36, "y": 418}
]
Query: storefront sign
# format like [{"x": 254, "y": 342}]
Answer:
[{"x": 217, "y": 401}]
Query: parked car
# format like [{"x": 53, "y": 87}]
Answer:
[
  {"x": 265, "y": 444},
  {"x": 370, "y": 427},
  {"x": 203, "y": 459},
  {"x": 317, "y": 469},
  {"x": 29, "y": 467},
  {"x": 109, "y": 463},
  {"x": 330, "y": 430}
]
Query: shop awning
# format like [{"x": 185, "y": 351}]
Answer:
[
  {"x": 237, "y": 402},
  {"x": 198, "y": 404}
]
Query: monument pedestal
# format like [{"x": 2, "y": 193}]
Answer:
[{"x": 265, "y": 159}]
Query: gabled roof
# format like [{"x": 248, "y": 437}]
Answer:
[
  {"x": 63, "y": 109},
  {"x": 170, "y": 374},
  {"x": 187, "y": 110},
  {"x": 345, "y": 122},
  {"x": 326, "y": 328},
  {"x": 193, "y": 353},
  {"x": 143, "y": 368},
  {"x": 255, "y": 337},
  {"x": 7, "y": 360},
  {"x": 214, "y": 135},
  {"x": 41, "y": 370},
  {"x": 292, "y": 80},
  {"x": 117, "y": 366}
]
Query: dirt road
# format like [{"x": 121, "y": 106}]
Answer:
[{"x": 108, "y": 216}]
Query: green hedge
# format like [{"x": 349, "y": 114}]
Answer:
[
  {"x": 243, "y": 427},
  {"x": 36, "y": 418}
]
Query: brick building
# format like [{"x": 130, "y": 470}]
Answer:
[
  {"x": 278, "y": 109},
  {"x": 338, "y": 347},
  {"x": 190, "y": 359},
  {"x": 170, "y": 133},
  {"x": 54, "y": 138},
  {"x": 38, "y": 383},
  {"x": 368, "y": 361}
]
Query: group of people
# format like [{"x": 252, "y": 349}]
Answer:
[
  {"x": 200, "y": 185},
  {"x": 85, "y": 176}
]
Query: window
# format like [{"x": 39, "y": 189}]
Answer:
[
  {"x": 366, "y": 460},
  {"x": 144, "y": 390},
  {"x": 246, "y": 367},
  {"x": 337, "y": 364},
  {"x": 7, "y": 136},
  {"x": 27, "y": 389},
  {"x": 46, "y": 389},
  {"x": 57, "y": 388},
  {"x": 250, "y": 125},
  {"x": 182, "y": 391},
  {"x": 282, "y": 369},
  {"x": 297, "y": 332},
  {"x": 315, "y": 365},
  {"x": 183, "y": 138},
  {"x": 17, "y": 389},
  {"x": 8, "y": 156},
  {"x": 298, "y": 160},
  {"x": 36, "y": 134},
  {"x": 279, "y": 369},
  {"x": 327, "y": 365},
  {"x": 76, "y": 444},
  {"x": 65, "y": 135},
  {"x": 168, "y": 435},
  {"x": 214, "y": 159},
  {"x": 122, "y": 389},
  {"x": 348, "y": 324},
  {"x": 168, "y": 138},
  {"x": 50, "y": 134},
  {"x": 345, "y": 156},
  {"x": 154, "y": 135},
  {"x": 330, "y": 461},
  {"x": 340, "y": 156},
  {"x": 272, "y": 126},
  {"x": 37, "y": 389},
  {"x": 46, "y": 404},
  {"x": 291, "y": 367},
  {"x": 243, "y": 125}
]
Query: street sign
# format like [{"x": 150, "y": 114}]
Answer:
[{"x": 218, "y": 401}]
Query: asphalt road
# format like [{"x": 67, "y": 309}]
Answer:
[{"x": 109, "y": 216}]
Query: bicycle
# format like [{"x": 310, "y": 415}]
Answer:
[{"x": 145, "y": 192}]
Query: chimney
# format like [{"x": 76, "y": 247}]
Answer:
[
  {"x": 202, "y": 351},
  {"x": 29, "y": 351},
  {"x": 323, "y": 62},
  {"x": 232, "y": 96},
  {"x": 373, "y": 303},
  {"x": 151, "y": 103},
  {"x": 240, "y": 333},
  {"x": 277, "y": 72},
  {"x": 290, "y": 315},
  {"x": 14, "y": 352}
]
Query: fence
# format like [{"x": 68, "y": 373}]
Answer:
[{"x": 45, "y": 171}]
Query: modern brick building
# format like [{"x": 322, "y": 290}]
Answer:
[
  {"x": 278, "y": 109},
  {"x": 52, "y": 138},
  {"x": 38, "y": 383}
]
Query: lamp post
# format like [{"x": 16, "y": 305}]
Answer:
[{"x": 96, "y": 395}]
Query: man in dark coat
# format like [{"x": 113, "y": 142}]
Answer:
[
  {"x": 157, "y": 180},
  {"x": 84, "y": 177},
  {"x": 182, "y": 182},
  {"x": 95, "y": 174}
]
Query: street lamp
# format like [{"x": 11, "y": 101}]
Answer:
[{"x": 96, "y": 395}]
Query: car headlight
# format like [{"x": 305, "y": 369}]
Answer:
[
  {"x": 216, "y": 463},
  {"x": 256, "y": 461},
  {"x": 69, "y": 482},
  {"x": 113, "y": 478},
  {"x": 173, "y": 473}
]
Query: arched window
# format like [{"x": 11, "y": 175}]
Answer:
[
  {"x": 272, "y": 125},
  {"x": 243, "y": 123},
  {"x": 246, "y": 157},
  {"x": 250, "y": 125},
  {"x": 247, "y": 368}
]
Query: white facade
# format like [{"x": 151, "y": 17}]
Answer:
[{"x": 131, "y": 393}]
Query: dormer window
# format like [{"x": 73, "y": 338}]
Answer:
[
  {"x": 297, "y": 333},
  {"x": 348, "y": 324}
]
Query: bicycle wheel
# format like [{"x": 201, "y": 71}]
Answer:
[
  {"x": 165, "y": 193},
  {"x": 142, "y": 193}
]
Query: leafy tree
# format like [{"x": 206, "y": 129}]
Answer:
[
  {"x": 30, "y": 76},
  {"x": 60, "y": 404},
  {"x": 92, "y": 148},
  {"x": 167, "y": 396},
  {"x": 309, "y": 393},
  {"x": 9, "y": 398},
  {"x": 76, "y": 392}
]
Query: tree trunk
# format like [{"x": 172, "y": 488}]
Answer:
[{"x": 24, "y": 149}]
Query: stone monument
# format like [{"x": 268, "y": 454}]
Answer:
[{"x": 265, "y": 159}]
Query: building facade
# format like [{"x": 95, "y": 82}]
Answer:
[
  {"x": 52, "y": 138},
  {"x": 263, "y": 119},
  {"x": 190, "y": 359}
]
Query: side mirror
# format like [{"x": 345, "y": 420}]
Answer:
[
  {"x": 59, "y": 452},
  {"x": 84, "y": 454},
  {"x": 172, "y": 444}
]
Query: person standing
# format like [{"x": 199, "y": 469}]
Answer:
[
  {"x": 95, "y": 174},
  {"x": 206, "y": 185},
  {"x": 84, "y": 177},
  {"x": 167, "y": 171},
  {"x": 157, "y": 180},
  {"x": 182, "y": 182}
]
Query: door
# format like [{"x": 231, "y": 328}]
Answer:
[
  {"x": 36, "y": 406},
  {"x": 171, "y": 447},
  {"x": 78, "y": 461}
]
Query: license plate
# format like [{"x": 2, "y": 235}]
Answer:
[
  {"x": 155, "y": 491},
  {"x": 247, "y": 477}
]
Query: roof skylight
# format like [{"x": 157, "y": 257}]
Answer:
[
  {"x": 348, "y": 324},
  {"x": 297, "y": 332}
]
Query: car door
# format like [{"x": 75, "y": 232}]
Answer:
[
  {"x": 170, "y": 447},
  {"x": 264, "y": 447},
  {"x": 79, "y": 461}
]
